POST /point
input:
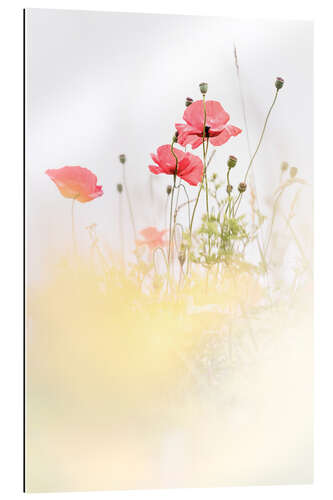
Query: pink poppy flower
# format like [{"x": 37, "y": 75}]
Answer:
[
  {"x": 152, "y": 238},
  {"x": 216, "y": 125},
  {"x": 190, "y": 167},
  {"x": 76, "y": 182}
]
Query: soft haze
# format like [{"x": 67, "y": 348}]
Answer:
[{"x": 100, "y": 84}]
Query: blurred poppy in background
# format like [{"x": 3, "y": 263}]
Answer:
[{"x": 78, "y": 183}]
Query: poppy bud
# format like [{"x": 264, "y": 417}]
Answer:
[
  {"x": 232, "y": 161},
  {"x": 169, "y": 189},
  {"x": 293, "y": 172},
  {"x": 122, "y": 158},
  {"x": 203, "y": 88},
  {"x": 284, "y": 166},
  {"x": 279, "y": 83},
  {"x": 175, "y": 137},
  {"x": 188, "y": 101},
  {"x": 119, "y": 188},
  {"x": 242, "y": 187},
  {"x": 229, "y": 188}
]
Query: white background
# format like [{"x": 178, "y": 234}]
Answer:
[{"x": 11, "y": 241}]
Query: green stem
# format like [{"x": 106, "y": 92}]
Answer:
[
  {"x": 229, "y": 194},
  {"x": 129, "y": 201},
  {"x": 194, "y": 208},
  {"x": 170, "y": 219},
  {"x": 171, "y": 209},
  {"x": 188, "y": 203},
  {"x": 258, "y": 146},
  {"x": 121, "y": 229},
  {"x": 204, "y": 150}
]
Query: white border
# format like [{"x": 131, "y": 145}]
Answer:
[{"x": 11, "y": 236}]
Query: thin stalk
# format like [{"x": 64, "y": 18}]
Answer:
[
  {"x": 241, "y": 93},
  {"x": 197, "y": 200},
  {"x": 188, "y": 203},
  {"x": 257, "y": 148},
  {"x": 129, "y": 201},
  {"x": 164, "y": 257},
  {"x": 121, "y": 229},
  {"x": 170, "y": 219},
  {"x": 194, "y": 208},
  {"x": 204, "y": 179},
  {"x": 253, "y": 181},
  {"x": 204, "y": 152},
  {"x": 171, "y": 209},
  {"x": 73, "y": 230},
  {"x": 175, "y": 218},
  {"x": 229, "y": 194}
]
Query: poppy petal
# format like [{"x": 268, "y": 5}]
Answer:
[{"x": 224, "y": 136}]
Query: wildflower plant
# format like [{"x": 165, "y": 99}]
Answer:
[
  {"x": 203, "y": 256},
  {"x": 169, "y": 258},
  {"x": 162, "y": 327}
]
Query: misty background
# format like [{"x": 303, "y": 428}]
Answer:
[{"x": 99, "y": 84}]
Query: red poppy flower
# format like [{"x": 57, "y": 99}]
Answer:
[
  {"x": 152, "y": 238},
  {"x": 190, "y": 167},
  {"x": 216, "y": 125},
  {"x": 76, "y": 182}
]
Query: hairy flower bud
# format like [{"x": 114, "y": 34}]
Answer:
[
  {"x": 279, "y": 83},
  {"x": 284, "y": 166},
  {"x": 232, "y": 161},
  {"x": 203, "y": 88},
  {"x": 242, "y": 187},
  {"x": 188, "y": 101},
  {"x": 293, "y": 172},
  {"x": 169, "y": 189},
  {"x": 229, "y": 188},
  {"x": 119, "y": 188},
  {"x": 122, "y": 158}
]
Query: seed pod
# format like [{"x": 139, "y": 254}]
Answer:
[
  {"x": 203, "y": 88},
  {"x": 284, "y": 166},
  {"x": 188, "y": 101},
  {"x": 229, "y": 188},
  {"x": 279, "y": 83},
  {"x": 122, "y": 158},
  {"x": 232, "y": 161},
  {"x": 169, "y": 189},
  {"x": 242, "y": 187},
  {"x": 119, "y": 188}
]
